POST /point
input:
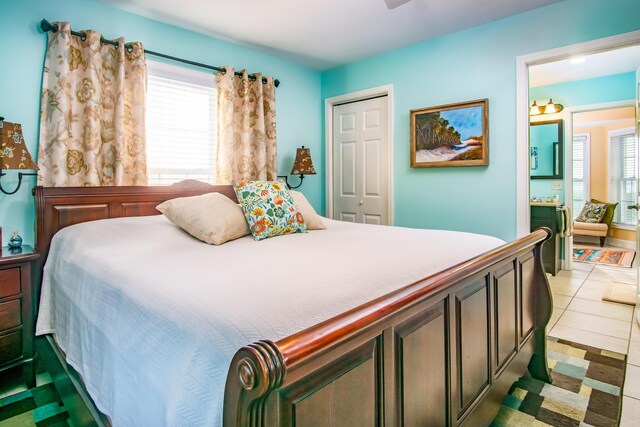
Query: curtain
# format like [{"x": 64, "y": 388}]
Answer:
[
  {"x": 92, "y": 121},
  {"x": 246, "y": 127}
]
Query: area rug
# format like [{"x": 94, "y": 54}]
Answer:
[
  {"x": 586, "y": 390},
  {"x": 616, "y": 258},
  {"x": 622, "y": 293},
  {"x": 40, "y": 406}
]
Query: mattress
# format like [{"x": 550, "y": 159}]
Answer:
[{"x": 151, "y": 317}]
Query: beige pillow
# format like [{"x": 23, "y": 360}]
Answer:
[
  {"x": 311, "y": 218},
  {"x": 212, "y": 218}
]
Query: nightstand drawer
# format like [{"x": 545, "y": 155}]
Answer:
[
  {"x": 10, "y": 346},
  {"x": 10, "y": 314},
  {"x": 9, "y": 282}
]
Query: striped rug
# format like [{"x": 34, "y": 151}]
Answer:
[{"x": 586, "y": 390}]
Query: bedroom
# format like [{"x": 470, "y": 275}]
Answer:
[{"x": 426, "y": 73}]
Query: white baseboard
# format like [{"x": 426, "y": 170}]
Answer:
[{"x": 592, "y": 240}]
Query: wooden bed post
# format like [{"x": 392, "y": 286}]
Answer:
[
  {"x": 255, "y": 370},
  {"x": 538, "y": 366}
]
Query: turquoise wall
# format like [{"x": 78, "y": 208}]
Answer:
[
  {"x": 476, "y": 63},
  {"x": 298, "y": 106},
  {"x": 616, "y": 87}
]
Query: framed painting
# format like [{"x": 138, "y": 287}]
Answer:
[{"x": 450, "y": 135}]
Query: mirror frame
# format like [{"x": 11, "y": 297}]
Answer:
[{"x": 560, "y": 151}]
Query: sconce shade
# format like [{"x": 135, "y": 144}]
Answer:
[
  {"x": 13, "y": 150},
  {"x": 303, "y": 164},
  {"x": 535, "y": 110}
]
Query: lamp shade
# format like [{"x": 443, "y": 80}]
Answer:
[
  {"x": 303, "y": 164},
  {"x": 13, "y": 150}
]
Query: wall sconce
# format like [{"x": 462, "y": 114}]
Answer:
[
  {"x": 549, "y": 108},
  {"x": 301, "y": 166},
  {"x": 14, "y": 153}
]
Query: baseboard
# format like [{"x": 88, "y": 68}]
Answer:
[{"x": 592, "y": 240}]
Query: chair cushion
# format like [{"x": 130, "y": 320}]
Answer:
[
  {"x": 608, "y": 215},
  {"x": 592, "y": 212},
  {"x": 590, "y": 229}
]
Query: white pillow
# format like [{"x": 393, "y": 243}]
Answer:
[
  {"x": 311, "y": 218},
  {"x": 212, "y": 218}
]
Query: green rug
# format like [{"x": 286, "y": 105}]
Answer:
[
  {"x": 586, "y": 390},
  {"x": 40, "y": 406}
]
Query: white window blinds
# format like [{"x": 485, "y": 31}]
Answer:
[
  {"x": 623, "y": 173},
  {"x": 581, "y": 170},
  {"x": 181, "y": 124}
]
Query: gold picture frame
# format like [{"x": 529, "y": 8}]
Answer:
[{"x": 450, "y": 135}]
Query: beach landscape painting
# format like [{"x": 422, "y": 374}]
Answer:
[{"x": 450, "y": 135}]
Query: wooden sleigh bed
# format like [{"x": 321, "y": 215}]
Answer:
[{"x": 442, "y": 351}]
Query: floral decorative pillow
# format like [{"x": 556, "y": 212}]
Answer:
[
  {"x": 269, "y": 208},
  {"x": 592, "y": 213}
]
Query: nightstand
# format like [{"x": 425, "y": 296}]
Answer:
[{"x": 17, "y": 311}]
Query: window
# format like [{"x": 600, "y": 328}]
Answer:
[
  {"x": 623, "y": 173},
  {"x": 581, "y": 168},
  {"x": 181, "y": 124}
]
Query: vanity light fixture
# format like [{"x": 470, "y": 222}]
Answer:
[{"x": 549, "y": 108}]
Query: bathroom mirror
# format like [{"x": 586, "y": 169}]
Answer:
[{"x": 546, "y": 149}]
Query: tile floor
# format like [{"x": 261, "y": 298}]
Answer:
[{"x": 580, "y": 315}]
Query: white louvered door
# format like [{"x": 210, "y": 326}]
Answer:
[{"x": 360, "y": 162}]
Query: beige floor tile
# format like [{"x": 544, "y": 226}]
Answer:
[
  {"x": 596, "y": 284},
  {"x": 583, "y": 266},
  {"x": 597, "y": 324},
  {"x": 564, "y": 280},
  {"x": 561, "y": 301},
  {"x": 630, "y": 412},
  {"x": 634, "y": 353},
  {"x": 635, "y": 331},
  {"x": 590, "y": 338},
  {"x": 610, "y": 310},
  {"x": 564, "y": 288},
  {"x": 618, "y": 274},
  {"x": 632, "y": 382},
  {"x": 588, "y": 293},
  {"x": 578, "y": 274}
]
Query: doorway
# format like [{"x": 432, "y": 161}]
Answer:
[{"x": 359, "y": 144}]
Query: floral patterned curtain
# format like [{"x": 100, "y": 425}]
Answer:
[
  {"x": 246, "y": 127},
  {"x": 92, "y": 128}
]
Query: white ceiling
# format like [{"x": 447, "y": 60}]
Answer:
[
  {"x": 597, "y": 65},
  {"x": 326, "y": 33}
]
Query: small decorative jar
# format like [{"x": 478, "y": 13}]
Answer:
[{"x": 15, "y": 241}]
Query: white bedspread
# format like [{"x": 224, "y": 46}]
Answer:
[{"x": 151, "y": 317}]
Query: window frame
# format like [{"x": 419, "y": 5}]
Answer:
[
  {"x": 610, "y": 136},
  {"x": 190, "y": 76},
  {"x": 586, "y": 172}
]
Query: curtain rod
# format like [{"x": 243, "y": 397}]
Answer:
[{"x": 47, "y": 26}]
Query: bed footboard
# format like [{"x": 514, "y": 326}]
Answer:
[{"x": 440, "y": 352}]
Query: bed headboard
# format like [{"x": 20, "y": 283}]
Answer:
[{"x": 59, "y": 207}]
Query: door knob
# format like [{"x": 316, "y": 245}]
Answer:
[
  {"x": 636, "y": 207},
  {"x": 361, "y": 202}
]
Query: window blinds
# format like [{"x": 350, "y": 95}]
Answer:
[
  {"x": 181, "y": 125},
  {"x": 580, "y": 172},
  {"x": 623, "y": 172}
]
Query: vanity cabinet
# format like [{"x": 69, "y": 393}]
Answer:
[{"x": 547, "y": 215}]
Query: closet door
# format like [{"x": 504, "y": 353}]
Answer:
[{"x": 361, "y": 161}]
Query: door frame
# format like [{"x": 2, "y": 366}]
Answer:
[
  {"x": 523, "y": 62},
  {"x": 360, "y": 95}
]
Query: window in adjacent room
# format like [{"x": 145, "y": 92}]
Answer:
[
  {"x": 623, "y": 173},
  {"x": 581, "y": 167},
  {"x": 181, "y": 124}
]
